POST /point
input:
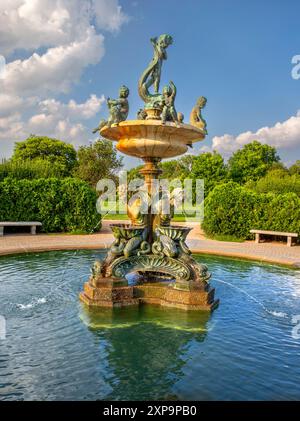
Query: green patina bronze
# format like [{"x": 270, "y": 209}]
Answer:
[
  {"x": 196, "y": 118},
  {"x": 118, "y": 109},
  {"x": 152, "y": 75}
]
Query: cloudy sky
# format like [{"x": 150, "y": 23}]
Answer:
[{"x": 64, "y": 56}]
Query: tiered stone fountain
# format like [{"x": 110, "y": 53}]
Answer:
[{"x": 150, "y": 246}]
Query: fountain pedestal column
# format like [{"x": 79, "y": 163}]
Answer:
[{"x": 150, "y": 172}]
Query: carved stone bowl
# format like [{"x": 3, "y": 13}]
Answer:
[
  {"x": 174, "y": 232},
  {"x": 151, "y": 138},
  {"x": 126, "y": 231}
]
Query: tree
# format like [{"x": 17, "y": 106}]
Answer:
[
  {"x": 252, "y": 162},
  {"x": 134, "y": 173},
  {"x": 179, "y": 168},
  {"x": 97, "y": 161},
  {"x": 60, "y": 154},
  {"x": 175, "y": 168},
  {"x": 295, "y": 168},
  {"x": 211, "y": 168},
  {"x": 276, "y": 181}
]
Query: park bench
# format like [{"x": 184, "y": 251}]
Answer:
[
  {"x": 32, "y": 226},
  {"x": 289, "y": 235}
]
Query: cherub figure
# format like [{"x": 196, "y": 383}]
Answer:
[
  {"x": 141, "y": 114},
  {"x": 169, "y": 112},
  {"x": 118, "y": 109},
  {"x": 180, "y": 117},
  {"x": 196, "y": 118}
]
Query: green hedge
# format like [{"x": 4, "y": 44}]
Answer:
[
  {"x": 62, "y": 205},
  {"x": 231, "y": 209},
  {"x": 37, "y": 168}
]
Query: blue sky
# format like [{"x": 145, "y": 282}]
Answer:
[{"x": 236, "y": 53}]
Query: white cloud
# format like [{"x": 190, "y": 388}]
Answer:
[
  {"x": 66, "y": 34},
  {"x": 51, "y": 118},
  {"x": 284, "y": 134},
  {"x": 109, "y": 14},
  {"x": 54, "y": 71},
  {"x": 74, "y": 110},
  {"x": 9, "y": 104},
  {"x": 30, "y": 24}
]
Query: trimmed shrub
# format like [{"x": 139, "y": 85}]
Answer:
[
  {"x": 62, "y": 205},
  {"x": 281, "y": 213},
  {"x": 231, "y": 209}
]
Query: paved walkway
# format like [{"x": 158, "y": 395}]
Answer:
[{"x": 267, "y": 252}]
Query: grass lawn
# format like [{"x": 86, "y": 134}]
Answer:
[
  {"x": 229, "y": 238},
  {"x": 124, "y": 217}
]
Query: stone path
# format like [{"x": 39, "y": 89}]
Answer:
[{"x": 268, "y": 252}]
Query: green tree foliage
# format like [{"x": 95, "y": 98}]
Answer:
[
  {"x": 211, "y": 168},
  {"x": 97, "y": 161},
  {"x": 38, "y": 168},
  {"x": 278, "y": 166},
  {"x": 207, "y": 166},
  {"x": 62, "y": 205},
  {"x": 233, "y": 210},
  {"x": 134, "y": 173},
  {"x": 177, "y": 168},
  {"x": 276, "y": 181},
  {"x": 295, "y": 168},
  {"x": 174, "y": 168},
  {"x": 252, "y": 162},
  {"x": 60, "y": 154}
]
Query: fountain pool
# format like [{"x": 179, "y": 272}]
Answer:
[{"x": 55, "y": 349}]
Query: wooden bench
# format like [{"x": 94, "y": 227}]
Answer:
[
  {"x": 289, "y": 235},
  {"x": 32, "y": 226}
]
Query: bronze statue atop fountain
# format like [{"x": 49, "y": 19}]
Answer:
[
  {"x": 118, "y": 109},
  {"x": 196, "y": 118}
]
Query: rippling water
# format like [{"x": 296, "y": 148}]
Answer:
[{"x": 57, "y": 350}]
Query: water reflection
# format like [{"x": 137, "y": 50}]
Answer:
[{"x": 146, "y": 348}]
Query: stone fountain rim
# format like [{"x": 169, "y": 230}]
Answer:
[
  {"x": 176, "y": 227},
  {"x": 113, "y": 132},
  {"x": 128, "y": 227}
]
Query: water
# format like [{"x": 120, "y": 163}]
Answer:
[{"x": 56, "y": 350}]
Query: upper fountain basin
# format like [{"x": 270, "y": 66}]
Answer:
[{"x": 151, "y": 138}]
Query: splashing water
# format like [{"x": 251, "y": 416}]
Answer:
[
  {"x": 32, "y": 304},
  {"x": 273, "y": 313}
]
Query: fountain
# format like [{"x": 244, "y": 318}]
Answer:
[{"x": 150, "y": 246}]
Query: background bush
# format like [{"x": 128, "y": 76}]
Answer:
[
  {"x": 231, "y": 209},
  {"x": 276, "y": 181},
  {"x": 54, "y": 151},
  {"x": 29, "y": 170},
  {"x": 62, "y": 205}
]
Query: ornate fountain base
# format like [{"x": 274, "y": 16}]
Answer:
[
  {"x": 150, "y": 293},
  {"x": 177, "y": 281}
]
